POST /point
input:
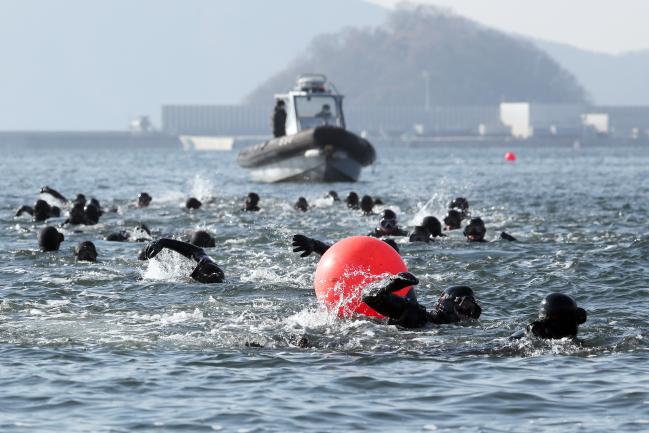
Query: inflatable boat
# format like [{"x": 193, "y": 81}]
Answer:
[{"x": 316, "y": 147}]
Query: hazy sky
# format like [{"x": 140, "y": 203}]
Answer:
[{"x": 611, "y": 26}]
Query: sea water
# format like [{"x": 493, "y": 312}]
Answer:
[{"x": 123, "y": 345}]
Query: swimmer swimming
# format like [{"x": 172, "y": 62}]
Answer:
[
  {"x": 301, "y": 204},
  {"x": 252, "y": 200},
  {"x": 453, "y": 221},
  {"x": 40, "y": 212},
  {"x": 352, "y": 200},
  {"x": 193, "y": 203},
  {"x": 388, "y": 226},
  {"x": 206, "y": 270},
  {"x": 455, "y": 304},
  {"x": 141, "y": 233},
  {"x": 559, "y": 317},
  {"x": 79, "y": 215},
  {"x": 85, "y": 252},
  {"x": 420, "y": 234},
  {"x": 429, "y": 229},
  {"x": 202, "y": 239},
  {"x": 475, "y": 231},
  {"x": 49, "y": 239},
  {"x": 333, "y": 195},
  {"x": 433, "y": 226},
  {"x": 367, "y": 205},
  {"x": 143, "y": 200},
  {"x": 462, "y": 205}
]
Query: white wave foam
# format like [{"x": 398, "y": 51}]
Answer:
[
  {"x": 168, "y": 266},
  {"x": 202, "y": 188},
  {"x": 182, "y": 316}
]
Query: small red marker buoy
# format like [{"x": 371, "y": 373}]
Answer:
[{"x": 510, "y": 156}]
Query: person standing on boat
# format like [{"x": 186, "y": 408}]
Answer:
[
  {"x": 279, "y": 119},
  {"x": 324, "y": 114}
]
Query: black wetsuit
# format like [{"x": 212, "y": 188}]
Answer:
[
  {"x": 41, "y": 211},
  {"x": 379, "y": 233},
  {"x": 405, "y": 311},
  {"x": 549, "y": 329},
  {"x": 124, "y": 236},
  {"x": 206, "y": 271}
]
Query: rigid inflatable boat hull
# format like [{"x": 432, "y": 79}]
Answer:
[
  {"x": 322, "y": 154},
  {"x": 308, "y": 169}
]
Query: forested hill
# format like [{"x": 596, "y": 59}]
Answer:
[{"x": 466, "y": 64}]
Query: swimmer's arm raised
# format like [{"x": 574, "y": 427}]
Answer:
[
  {"x": 24, "y": 209},
  {"x": 307, "y": 245},
  {"x": 188, "y": 250},
  {"x": 54, "y": 193},
  {"x": 385, "y": 302}
]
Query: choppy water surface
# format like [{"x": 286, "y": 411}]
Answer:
[{"x": 123, "y": 345}]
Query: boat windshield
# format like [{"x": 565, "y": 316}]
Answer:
[{"x": 315, "y": 111}]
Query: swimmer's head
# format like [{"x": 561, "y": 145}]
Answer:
[
  {"x": 92, "y": 213},
  {"x": 301, "y": 204},
  {"x": 251, "y": 201},
  {"x": 49, "y": 239},
  {"x": 206, "y": 271},
  {"x": 95, "y": 202},
  {"x": 367, "y": 204},
  {"x": 462, "y": 205},
  {"x": 280, "y": 103},
  {"x": 85, "y": 252},
  {"x": 334, "y": 195},
  {"x": 193, "y": 203},
  {"x": 561, "y": 308},
  {"x": 453, "y": 220},
  {"x": 476, "y": 230},
  {"x": 459, "y": 203},
  {"x": 388, "y": 222},
  {"x": 459, "y": 302},
  {"x": 352, "y": 200},
  {"x": 42, "y": 210},
  {"x": 419, "y": 234},
  {"x": 433, "y": 226},
  {"x": 77, "y": 215},
  {"x": 202, "y": 239},
  {"x": 80, "y": 199},
  {"x": 143, "y": 227},
  {"x": 144, "y": 199}
]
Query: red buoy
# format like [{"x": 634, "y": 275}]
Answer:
[
  {"x": 347, "y": 267},
  {"x": 510, "y": 156}
]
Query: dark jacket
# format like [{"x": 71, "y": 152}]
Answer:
[{"x": 279, "y": 122}]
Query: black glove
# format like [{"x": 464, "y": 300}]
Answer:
[
  {"x": 303, "y": 244},
  {"x": 207, "y": 272},
  {"x": 401, "y": 280},
  {"x": 151, "y": 250}
]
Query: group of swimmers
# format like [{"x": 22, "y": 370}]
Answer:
[{"x": 559, "y": 315}]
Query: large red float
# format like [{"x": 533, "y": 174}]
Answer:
[{"x": 348, "y": 266}]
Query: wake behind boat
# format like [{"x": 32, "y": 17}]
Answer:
[{"x": 316, "y": 146}]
